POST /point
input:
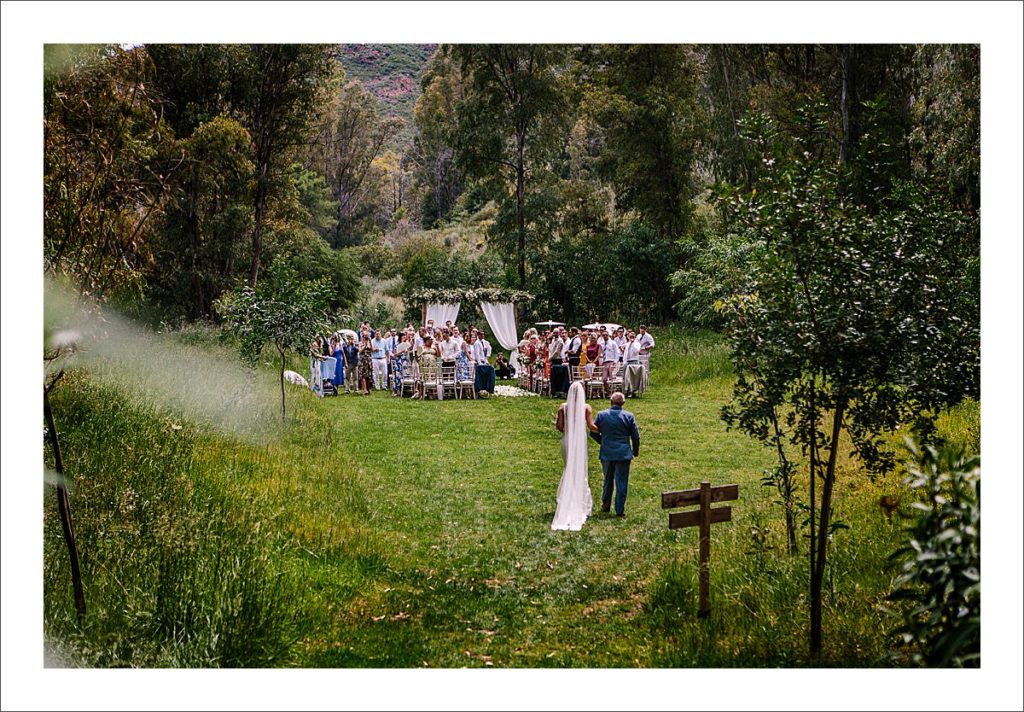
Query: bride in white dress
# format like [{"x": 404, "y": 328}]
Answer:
[{"x": 574, "y": 499}]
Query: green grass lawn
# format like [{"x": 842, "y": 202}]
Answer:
[{"x": 384, "y": 532}]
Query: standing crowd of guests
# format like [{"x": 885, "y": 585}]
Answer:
[
  {"x": 588, "y": 353},
  {"x": 381, "y": 359}
]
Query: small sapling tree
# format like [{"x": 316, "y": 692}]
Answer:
[{"x": 282, "y": 310}]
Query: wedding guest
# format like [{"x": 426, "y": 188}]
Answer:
[
  {"x": 646, "y": 342},
  {"x": 316, "y": 356},
  {"x": 633, "y": 372},
  {"x": 379, "y": 355},
  {"x": 574, "y": 349},
  {"x": 427, "y": 358},
  {"x": 390, "y": 342},
  {"x": 555, "y": 347},
  {"x": 365, "y": 361},
  {"x": 464, "y": 360},
  {"x": 484, "y": 374},
  {"x": 534, "y": 359},
  {"x": 449, "y": 351},
  {"x": 337, "y": 346},
  {"x": 501, "y": 367},
  {"x": 350, "y": 354},
  {"x": 620, "y": 341},
  {"x": 399, "y": 364},
  {"x": 593, "y": 354},
  {"x": 609, "y": 359}
]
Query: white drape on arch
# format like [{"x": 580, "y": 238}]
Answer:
[
  {"x": 442, "y": 313},
  {"x": 502, "y": 320}
]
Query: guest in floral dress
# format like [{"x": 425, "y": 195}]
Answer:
[
  {"x": 399, "y": 362},
  {"x": 365, "y": 362},
  {"x": 464, "y": 362}
]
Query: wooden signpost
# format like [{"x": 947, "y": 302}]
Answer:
[{"x": 703, "y": 518}]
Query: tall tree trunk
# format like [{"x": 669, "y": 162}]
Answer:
[
  {"x": 260, "y": 206},
  {"x": 520, "y": 221},
  {"x": 826, "y": 511},
  {"x": 64, "y": 508},
  {"x": 815, "y": 630},
  {"x": 844, "y": 103}
]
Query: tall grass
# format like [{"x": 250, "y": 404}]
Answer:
[{"x": 176, "y": 573}]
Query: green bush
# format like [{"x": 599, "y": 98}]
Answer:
[{"x": 940, "y": 576}]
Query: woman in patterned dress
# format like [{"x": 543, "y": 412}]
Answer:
[
  {"x": 399, "y": 362},
  {"x": 365, "y": 361},
  {"x": 464, "y": 363},
  {"x": 428, "y": 362}
]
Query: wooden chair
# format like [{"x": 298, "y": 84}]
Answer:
[{"x": 579, "y": 373}]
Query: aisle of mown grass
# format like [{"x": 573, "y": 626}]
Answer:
[{"x": 383, "y": 532}]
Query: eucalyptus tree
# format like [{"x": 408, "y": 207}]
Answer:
[
  {"x": 434, "y": 145},
  {"x": 284, "y": 88},
  {"x": 105, "y": 171},
  {"x": 351, "y": 136},
  {"x": 646, "y": 99},
  {"x": 512, "y": 121}
]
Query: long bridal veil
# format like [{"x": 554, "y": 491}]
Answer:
[{"x": 574, "y": 499}]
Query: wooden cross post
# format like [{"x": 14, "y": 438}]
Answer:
[{"x": 703, "y": 518}]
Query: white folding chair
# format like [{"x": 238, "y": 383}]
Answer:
[
  {"x": 408, "y": 382},
  {"x": 429, "y": 380},
  {"x": 595, "y": 383},
  {"x": 616, "y": 382},
  {"x": 461, "y": 385},
  {"x": 448, "y": 381}
]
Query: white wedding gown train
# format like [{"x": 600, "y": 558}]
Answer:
[{"x": 574, "y": 499}]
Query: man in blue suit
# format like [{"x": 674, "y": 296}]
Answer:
[{"x": 616, "y": 430}]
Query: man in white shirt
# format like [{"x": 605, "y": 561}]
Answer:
[
  {"x": 449, "y": 350},
  {"x": 620, "y": 341},
  {"x": 609, "y": 359},
  {"x": 646, "y": 342},
  {"x": 481, "y": 350},
  {"x": 391, "y": 341},
  {"x": 457, "y": 338},
  {"x": 380, "y": 362}
]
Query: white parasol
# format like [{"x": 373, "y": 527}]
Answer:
[{"x": 550, "y": 323}]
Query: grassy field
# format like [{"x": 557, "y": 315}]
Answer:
[{"x": 379, "y": 532}]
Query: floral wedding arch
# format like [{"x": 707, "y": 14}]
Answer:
[{"x": 497, "y": 304}]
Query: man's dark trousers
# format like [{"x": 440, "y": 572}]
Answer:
[{"x": 616, "y": 474}]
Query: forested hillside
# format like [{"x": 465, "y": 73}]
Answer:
[{"x": 391, "y": 73}]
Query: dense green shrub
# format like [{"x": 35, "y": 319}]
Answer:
[{"x": 940, "y": 568}]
